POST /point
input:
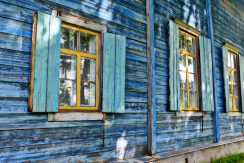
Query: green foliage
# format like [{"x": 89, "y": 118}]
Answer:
[{"x": 230, "y": 158}]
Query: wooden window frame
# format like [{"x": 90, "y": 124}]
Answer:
[
  {"x": 237, "y": 71},
  {"x": 78, "y": 55},
  {"x": 194, "y": 35}
]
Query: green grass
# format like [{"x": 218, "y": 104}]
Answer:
[{"x": 230, "y": 158}]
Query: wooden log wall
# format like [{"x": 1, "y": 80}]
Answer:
[
  {"x": 28, "y": 136},
  {"x": 228, "y": 25}
]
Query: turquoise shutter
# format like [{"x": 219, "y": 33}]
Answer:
[
  {"x": 241, "y": 63},
  {"x": 174, "y": 77},
  {"x": 226, "y": 77},
  {"x": 206, "y": 74},
  {"x": 114, "y": 51},
  {"x": 45, "y": 64}
]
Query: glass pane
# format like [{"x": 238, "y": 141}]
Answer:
[
  {"x": 231, "y": 102},
  {"x": 235, "y": 77},
  {"x": 67, "y": 69},
  {"x": 193, "y": 99},
  {"x": 182, "y": 66},
  {"x": 87, "y": 43},
  {"x": 182, "y": 80},
  {"x": 235, "y": 62},
  {"x": 67, "y": 92},
  {"x": 237, "y": 103},
  {"x": 88, "y": 82},
  {"x": 236, "y": 90},
  {"x": 190, "y": 44},
  {"x": 183, "y": 99},
  {"x": 191, "y": 64},
  {"x": 230, "y": 89},
  {"x": 182, "y": 41},
  {"x": 67, "y": 80},
  {"x": 229, "y": 59},
  {"x": 69, "y": 39},
  {"x": 192, "y": 82}
]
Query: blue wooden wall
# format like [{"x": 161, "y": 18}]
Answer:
[
  {"x": 228, "y": 24},
  {"x": 175, "y": 132},
  {"x": 27, "y": 136}
]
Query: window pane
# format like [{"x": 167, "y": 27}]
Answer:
[
  {"x": 190, "y": 44},
  {"x": 231, "y": 102},
  {"x": 192, "y": 82},
  {"x": 87, "y": 43},
  {"x": 67, "y": 80},
  {"x": 236, "y": 90},
  {"x": 182, "y": 66},
  {"x": 235, "y": 62},
  {"x": 182, "y": 80},
  {"x": 193, "y": 99},
  {"x": 236, "y": 103},
  {"x": 88, "y": 82},
  {"x": 182, "y": 41},
  {"x": 69, "y": 39},
  {"x": 191, "y": 64},
  {"x": 67, "y": 68},
  {"x": 231, "y": 77},
  {"x": 183, "y": 99},
  {"x": 235, "y": 77}
]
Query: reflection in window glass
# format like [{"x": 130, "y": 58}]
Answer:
[
  {"x": 87, "y": 43},
  {"x": 188, "y": 71},
  {"x": 88, "y": 82},
  {"x": 69, "y": 39},
  {"x": 233, "y": 81},
  {"x": 67, "y": 80}
]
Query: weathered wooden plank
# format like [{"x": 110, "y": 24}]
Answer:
[
  {"x": 119, "y": 83},
  {"x": 226, "y": 78},
  {"x": 53, "y": 64},
  {"x": 241, "y": 63},
  {"x": 108, "y": 72},
  {"x": 174, "y": 77},
  {"x": 39, "y": 97}
]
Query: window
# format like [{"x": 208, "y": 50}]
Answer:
[
  {"x": 188, "y": 71},
  {"x": 78, "y": 73},
  {"x": 234, "y": 84}
]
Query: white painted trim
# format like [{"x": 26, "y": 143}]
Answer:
[
  {"x": 234, "y": 114},
  {"x": 189, "y": 114},
  {"x": 75, "y": 116},
  {"x": 83, "y": 22}
]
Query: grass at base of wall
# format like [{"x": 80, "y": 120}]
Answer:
[{"x": 230, "y": 158}]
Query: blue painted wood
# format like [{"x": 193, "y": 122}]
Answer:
[
  {"x": 152, "y": 146},
  {"x": 119, "y": 80},
  {"x": 226, "y": 77},
  {"x": 174, "y": 77},
  {"x": 53, "y": 64},
  {"x": 241, "y": 63},
  {"x": 206, "y": 74},
  {"x": 108, "y": 72},
  {"x": 40, "y": 64}
]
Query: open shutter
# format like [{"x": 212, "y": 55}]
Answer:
[
  {"x": 241, "y": 61},
  {"x": 206, "y": 74},
  {"x": 45, "y": 63},
  {"x": 226, "y": 77},
  {"x": 114, "y": 73},
  {"x": 174, "y": 77}
]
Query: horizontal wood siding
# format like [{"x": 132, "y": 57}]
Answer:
[
  {"x": 30, "y": 137},
  {"x": 176, "y": 132},
  {"x": 228, "y": 23}
]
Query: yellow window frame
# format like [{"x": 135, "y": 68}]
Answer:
[
  {"x": 232, "y": 84},
  {"x": 194, "y": 56},
  {"x": 78, "y": 55}
]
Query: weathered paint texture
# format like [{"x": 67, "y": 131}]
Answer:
[{"x": 28, "y": 136}]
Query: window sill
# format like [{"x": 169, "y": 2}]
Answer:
[
  {"x": 234, "y": 114},
  {"x": 74, "y": 116},
  {"x": 189, "y": 114}
]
